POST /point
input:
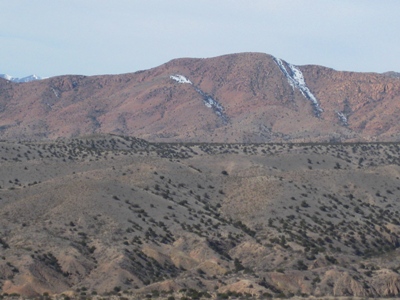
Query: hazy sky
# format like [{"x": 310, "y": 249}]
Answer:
[{"x": 55, "y": 37}]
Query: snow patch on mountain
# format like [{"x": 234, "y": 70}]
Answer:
[
  {"x": 281, "y": 66},
  {"x": 342, "y": 118},
  {"x": 208, "y": 100},
  {"x": 6, "y": 76},
  {"x": 19, "y": 80},
  {"x": 296, "y": 80},
  {"x": 55, "y": 93},
  {"x": 180, "y": 78}
]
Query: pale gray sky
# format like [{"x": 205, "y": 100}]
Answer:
[{"x": 88, "y": 37}]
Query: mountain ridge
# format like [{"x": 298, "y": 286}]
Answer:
[
  {"x": 29, "y": 78},
  {"x": 259, "y": 96}
]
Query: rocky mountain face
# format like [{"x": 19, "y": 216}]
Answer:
[{"x": 248, "y": 97}]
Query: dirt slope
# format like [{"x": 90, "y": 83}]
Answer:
[{"x": 108, "y": 214}]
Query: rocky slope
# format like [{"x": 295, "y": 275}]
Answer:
[
  {"x": 248, "y": 97},
  {"x": 119, "y": 215}
]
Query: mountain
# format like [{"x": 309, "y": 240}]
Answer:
[
  {"x": 235, "y": 177},
  {"x": 392, "y": 74},
  {"x": 114, "y": 215},
  {"x": 19, "y": 80},
  {"x": 247, "y": 97}
]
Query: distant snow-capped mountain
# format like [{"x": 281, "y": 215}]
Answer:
[{"x": 24, "y": 79}]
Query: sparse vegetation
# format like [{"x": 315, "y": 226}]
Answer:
[{"x": 168, "y": 212}]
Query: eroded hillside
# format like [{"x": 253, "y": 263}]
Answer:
[{"x": 113, "y": 214}]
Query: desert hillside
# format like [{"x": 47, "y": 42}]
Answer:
[
  {"x": 114, "y": 215},
  {"x": 247, "y": 97},
  {"x": 239, "y": 176}
]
